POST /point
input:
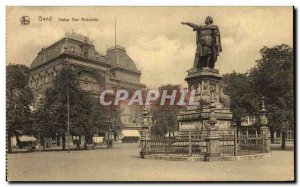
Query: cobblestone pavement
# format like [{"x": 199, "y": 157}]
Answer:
[{"x": 122, "y": 163}]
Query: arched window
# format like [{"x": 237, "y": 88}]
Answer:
[{"x": 86, "y": 84}]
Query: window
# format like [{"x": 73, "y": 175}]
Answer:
[
  {"x": 85, "y": 51},
  {"x": 86, "y": 86}
]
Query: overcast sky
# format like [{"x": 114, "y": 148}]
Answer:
[{"x": 162, "y": 48}]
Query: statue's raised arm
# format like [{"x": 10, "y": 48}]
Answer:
[{"x": 194, "y": 26}]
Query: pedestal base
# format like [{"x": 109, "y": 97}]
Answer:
[
  {"x": 266, "y": 139},
  {"x": 213, "y": 148},
  {"x": 212, "y": 157}
]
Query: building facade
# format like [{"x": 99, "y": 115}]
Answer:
[{"x": 96, "y": 71}]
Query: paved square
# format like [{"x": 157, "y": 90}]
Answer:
[{"x": 122, "y": 163}]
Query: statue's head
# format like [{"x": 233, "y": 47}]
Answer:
[{"x": 209, "y": 20}]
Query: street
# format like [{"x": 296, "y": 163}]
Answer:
[{"x": 122, "y": 163}]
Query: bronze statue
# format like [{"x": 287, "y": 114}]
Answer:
[{"x": 208, "y": 43}]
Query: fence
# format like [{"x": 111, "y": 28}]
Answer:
[
  {"x": 289, "y": 137},
  {"x": 250, "y": 143},
  {"x": 190, "y": 143},
  {"x": 227, "y": 142}
]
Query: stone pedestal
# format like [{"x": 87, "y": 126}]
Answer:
[
  {"x": 213, "y": 148},
  {"x": 206, "y": 83},
  {"x": 211, "y": 115},
  {"x": 265, "y": 132}
]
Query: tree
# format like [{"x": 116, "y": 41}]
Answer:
[
  {"x": 19, "y": 99},
  {"x": 86, "y": 113},
  {"x": 273, "y": 78},
  {"x": 110, "y": 118},
  {"x": 242, "y": 100},
  {"x": 55, "y": 106},
  {"x": 165, "y": 116}
]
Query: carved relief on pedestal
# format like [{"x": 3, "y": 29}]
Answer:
[
  {"x": 197, "y": 88},
  {"x": 206, "y": 94}
]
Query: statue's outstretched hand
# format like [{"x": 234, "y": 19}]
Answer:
[{"x": 183, "y": 23}]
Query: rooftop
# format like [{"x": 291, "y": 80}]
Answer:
[{"x": 78, "y": 37}]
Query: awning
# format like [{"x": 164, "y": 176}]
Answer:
[
  {"x": 130, "y": 133},
  {"x": 25, "y": 138}
]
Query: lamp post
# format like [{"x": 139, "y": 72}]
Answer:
[
  {"x": 264, "y": 129},
  {"x": 263, "y": 118},
  {"x": 68, "y": 108},
  {"x": 108, "y": 133},
  {"x": 145, "y": 132}
]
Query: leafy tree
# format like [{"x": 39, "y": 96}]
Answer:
[
  {"x": 273, "y": 78},
  {"x": 86, "y": 114},
  {"x": 165, "y": 116},
  {"x": 242, "y": 100},
  {"x": 19, "y": 99},
  {"x": 55, "y": 106},
  {"x": 110, "y": 118}
]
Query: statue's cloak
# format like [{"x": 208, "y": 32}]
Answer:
[{"x": 208, "y": 40}]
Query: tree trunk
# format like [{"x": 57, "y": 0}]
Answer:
[
  {"x": 283, "y": 139},
  {"x": 44, "y": 143},
  {"x": 63, "y": 141},
  {"x": 57, "y": 140},
  {"x": 272, "y": 136},
  {"x": 9, "y": 148}
]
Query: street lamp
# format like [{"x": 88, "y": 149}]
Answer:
[
  {"x": 68, "y": 108},
  {"x": 263, "y": 117}
]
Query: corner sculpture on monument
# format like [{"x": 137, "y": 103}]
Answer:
[{"x": 208, "y": 42}]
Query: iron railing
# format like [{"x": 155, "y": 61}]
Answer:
[{"x": 194, "y": 143}]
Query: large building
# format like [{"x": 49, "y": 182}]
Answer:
[{"x": 96, "y": 71}]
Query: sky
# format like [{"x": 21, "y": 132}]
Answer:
[{"x": 161, "y": 47}]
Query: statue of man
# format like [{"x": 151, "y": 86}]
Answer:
[{"x": 208, "y": 42}]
